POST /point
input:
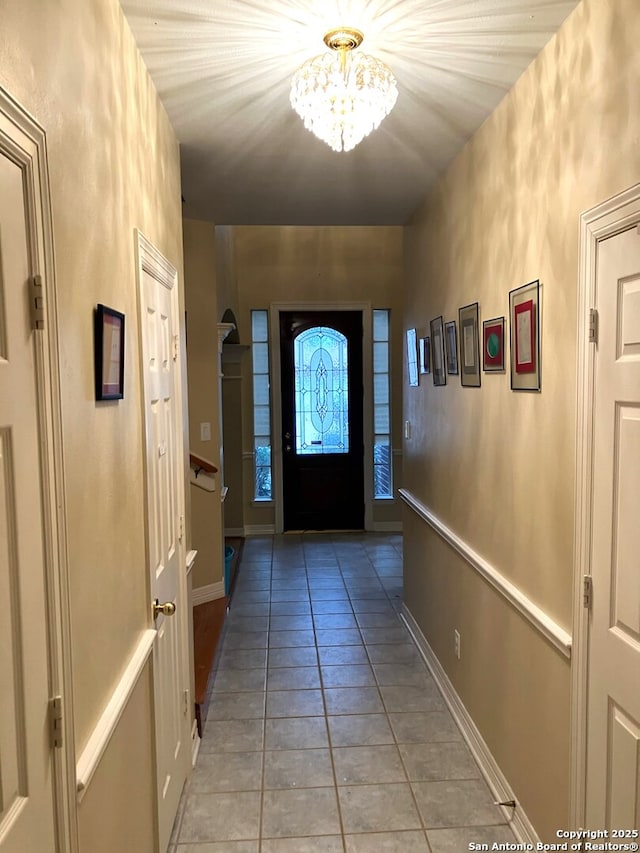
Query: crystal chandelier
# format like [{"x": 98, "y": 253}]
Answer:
[{"x": 343, "y": 96}]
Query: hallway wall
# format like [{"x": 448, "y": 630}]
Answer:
[
  {"x": 114, "y": 166},
  {"x": 497, "y": 466}
]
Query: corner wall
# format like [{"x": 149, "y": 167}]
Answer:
[
  {"x": 114, "y": 166},
  {"x": 497, "y": 466}
]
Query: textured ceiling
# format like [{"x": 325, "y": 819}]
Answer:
[{"x": 223, "y": 70}]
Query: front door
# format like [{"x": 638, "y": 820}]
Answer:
[
  {"x": 613, "y": 723},
  {"x": 27, "y": 823},
  {"x": 165, "y": 502},
  {"x": 322, "y": 433}
]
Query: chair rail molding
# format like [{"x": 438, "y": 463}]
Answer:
[{"x": 550, "y": 629}]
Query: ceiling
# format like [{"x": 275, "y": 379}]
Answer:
[{"x": 223, "y": 70}]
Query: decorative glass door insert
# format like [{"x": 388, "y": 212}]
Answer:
[{"x": 321, "y": 392}]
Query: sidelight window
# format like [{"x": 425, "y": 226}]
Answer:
[
  {"x": 382, "y": 470},
  {"x": 261, "y": 406}
]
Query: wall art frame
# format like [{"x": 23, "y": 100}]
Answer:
[
  {"x": 424, "y": 351},
  {"x": 451, "y": 339},
  {"x": 469, "y": 345},
  {"x": 439, "y": 371},
  {"x": 412, "y": 357},
  {"x": 493, "y": 345},
  {"x": 109, "y": 353},
  {"x": 524, "y": 321}
]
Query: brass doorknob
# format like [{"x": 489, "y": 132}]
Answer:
[{"x": 167, "y": 609}]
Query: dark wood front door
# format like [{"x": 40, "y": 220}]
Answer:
[{"x": 322, "y": 400}]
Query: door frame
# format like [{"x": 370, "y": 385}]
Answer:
[
  {"x": 23, "y": 140},
  {"x": 600, "y": 222},
  {"x": 365, "y": 310}
]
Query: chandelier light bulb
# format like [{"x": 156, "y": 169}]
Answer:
[{"x": 342, "y": 96}]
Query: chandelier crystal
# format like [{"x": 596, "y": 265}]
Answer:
[{"x": 342, "y": 96}]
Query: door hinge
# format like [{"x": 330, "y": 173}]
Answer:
[
  {"x": 185, "y": 697},
  {"x": 587, "y": 591},
  {"x": 176, "y": 347},
  {"x": 593, "y": 325},
  {"x": 181, "y": 528},
  {"x": 55, "y": 721},
  {"x": 36, "y": 301}
]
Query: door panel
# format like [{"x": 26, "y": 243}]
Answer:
[
  {"x": 164, "y": 508},
  {"x": 322, "y": 404},
  {"x": 26, "y": 795},
  {"x": 613, "y": 725}
]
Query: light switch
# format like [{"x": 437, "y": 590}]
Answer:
[{"x": 205, "y": 432}]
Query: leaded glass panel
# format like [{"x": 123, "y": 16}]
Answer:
[{"x": 321, "y": 391}]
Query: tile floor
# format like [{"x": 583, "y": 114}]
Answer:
[{"x": 325, "y": 731}]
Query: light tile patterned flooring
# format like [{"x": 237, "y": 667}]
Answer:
[{"x": 325, "y": 732}]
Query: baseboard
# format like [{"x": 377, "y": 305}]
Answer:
[
  {"x": 386, "y": 527},
  {"x": 195, "y": 743},
  {"x": 234, "y": 531},
  {"x": 259, "y": 529},
  {"x": 211, "y": 592},
  {"x": 520, "y": 824}
]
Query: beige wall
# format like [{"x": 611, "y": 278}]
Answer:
[
  {"x": 203, "y": 373},
  {"x": 316, "y": 264},
  {"x": 495, "y": 465},
  {"x": 114, "y": 166}
]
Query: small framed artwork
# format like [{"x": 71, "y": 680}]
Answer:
[
  {"x": 109, "y": 353},
  {"x": 437, "y": 344},
  {"x": 524, "y": 320},
  {"x": 451, "y": 337},
  {"x": 469, "y": 346},
  {"x": 424, "y": 351},
  {"x": 493, "y": 345},
  {"x": 412, "y": 357}
]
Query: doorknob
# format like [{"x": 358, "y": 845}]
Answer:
[
  {"x": 167, "y": 609},
  {"x": 287, "y": 435}
]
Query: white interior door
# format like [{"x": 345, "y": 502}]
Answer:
[
  {"x": 165, "y": 501},
  {"x": 613, "y": 724},
  {"x": 26, "y": 794}
]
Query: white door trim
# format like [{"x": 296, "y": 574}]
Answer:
[
  {"x": 24, "y": 141},
  {"x": 603, "y": 221},
  {"x": 276, "y": 397}
]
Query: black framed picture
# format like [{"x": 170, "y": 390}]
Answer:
[
  {"x": 425, "y": 355},
  {"x": 109, "y": 353},
  {"x": 451, "y": 338},
  {"x": 437, "y": 347},
  {"x": 469, "y": 346}
]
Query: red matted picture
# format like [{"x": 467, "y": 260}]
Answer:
[
  {"x": 524, "y": 318},
  {"x": 109, "y": 353},
  {"x": 493, "y": 345}
]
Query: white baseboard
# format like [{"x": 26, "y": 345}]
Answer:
[
  {"x": 195, "y": 743},
  {"x": 234, "y": 531},
  {"x": 259, "y": 529},
  {"x": 211, "y": 592},
  {"x": 495, "y": 778}
]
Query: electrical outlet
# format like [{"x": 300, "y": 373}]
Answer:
[{"x": 456, "y": 643}]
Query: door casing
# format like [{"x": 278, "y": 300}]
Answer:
[
  {"x": 23, "y": 140},
  {"x": 276, "y": 398},
  {"x": 605, "y": 220}
]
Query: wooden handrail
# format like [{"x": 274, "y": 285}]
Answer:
[{"x": 199, "y": 463}]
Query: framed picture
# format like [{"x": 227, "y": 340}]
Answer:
[
  {"x": 493, "y": 345},
  {"x": 412, "y": 356},
  {"x": 469, "y": 346},
  {"x": 451, "y": 337},
  {"x": 109, "y": 353},
  {"x": 524, "y": 320},
  {"x": 437, "y": 345},
  {"x": 424, "y": 351}
]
